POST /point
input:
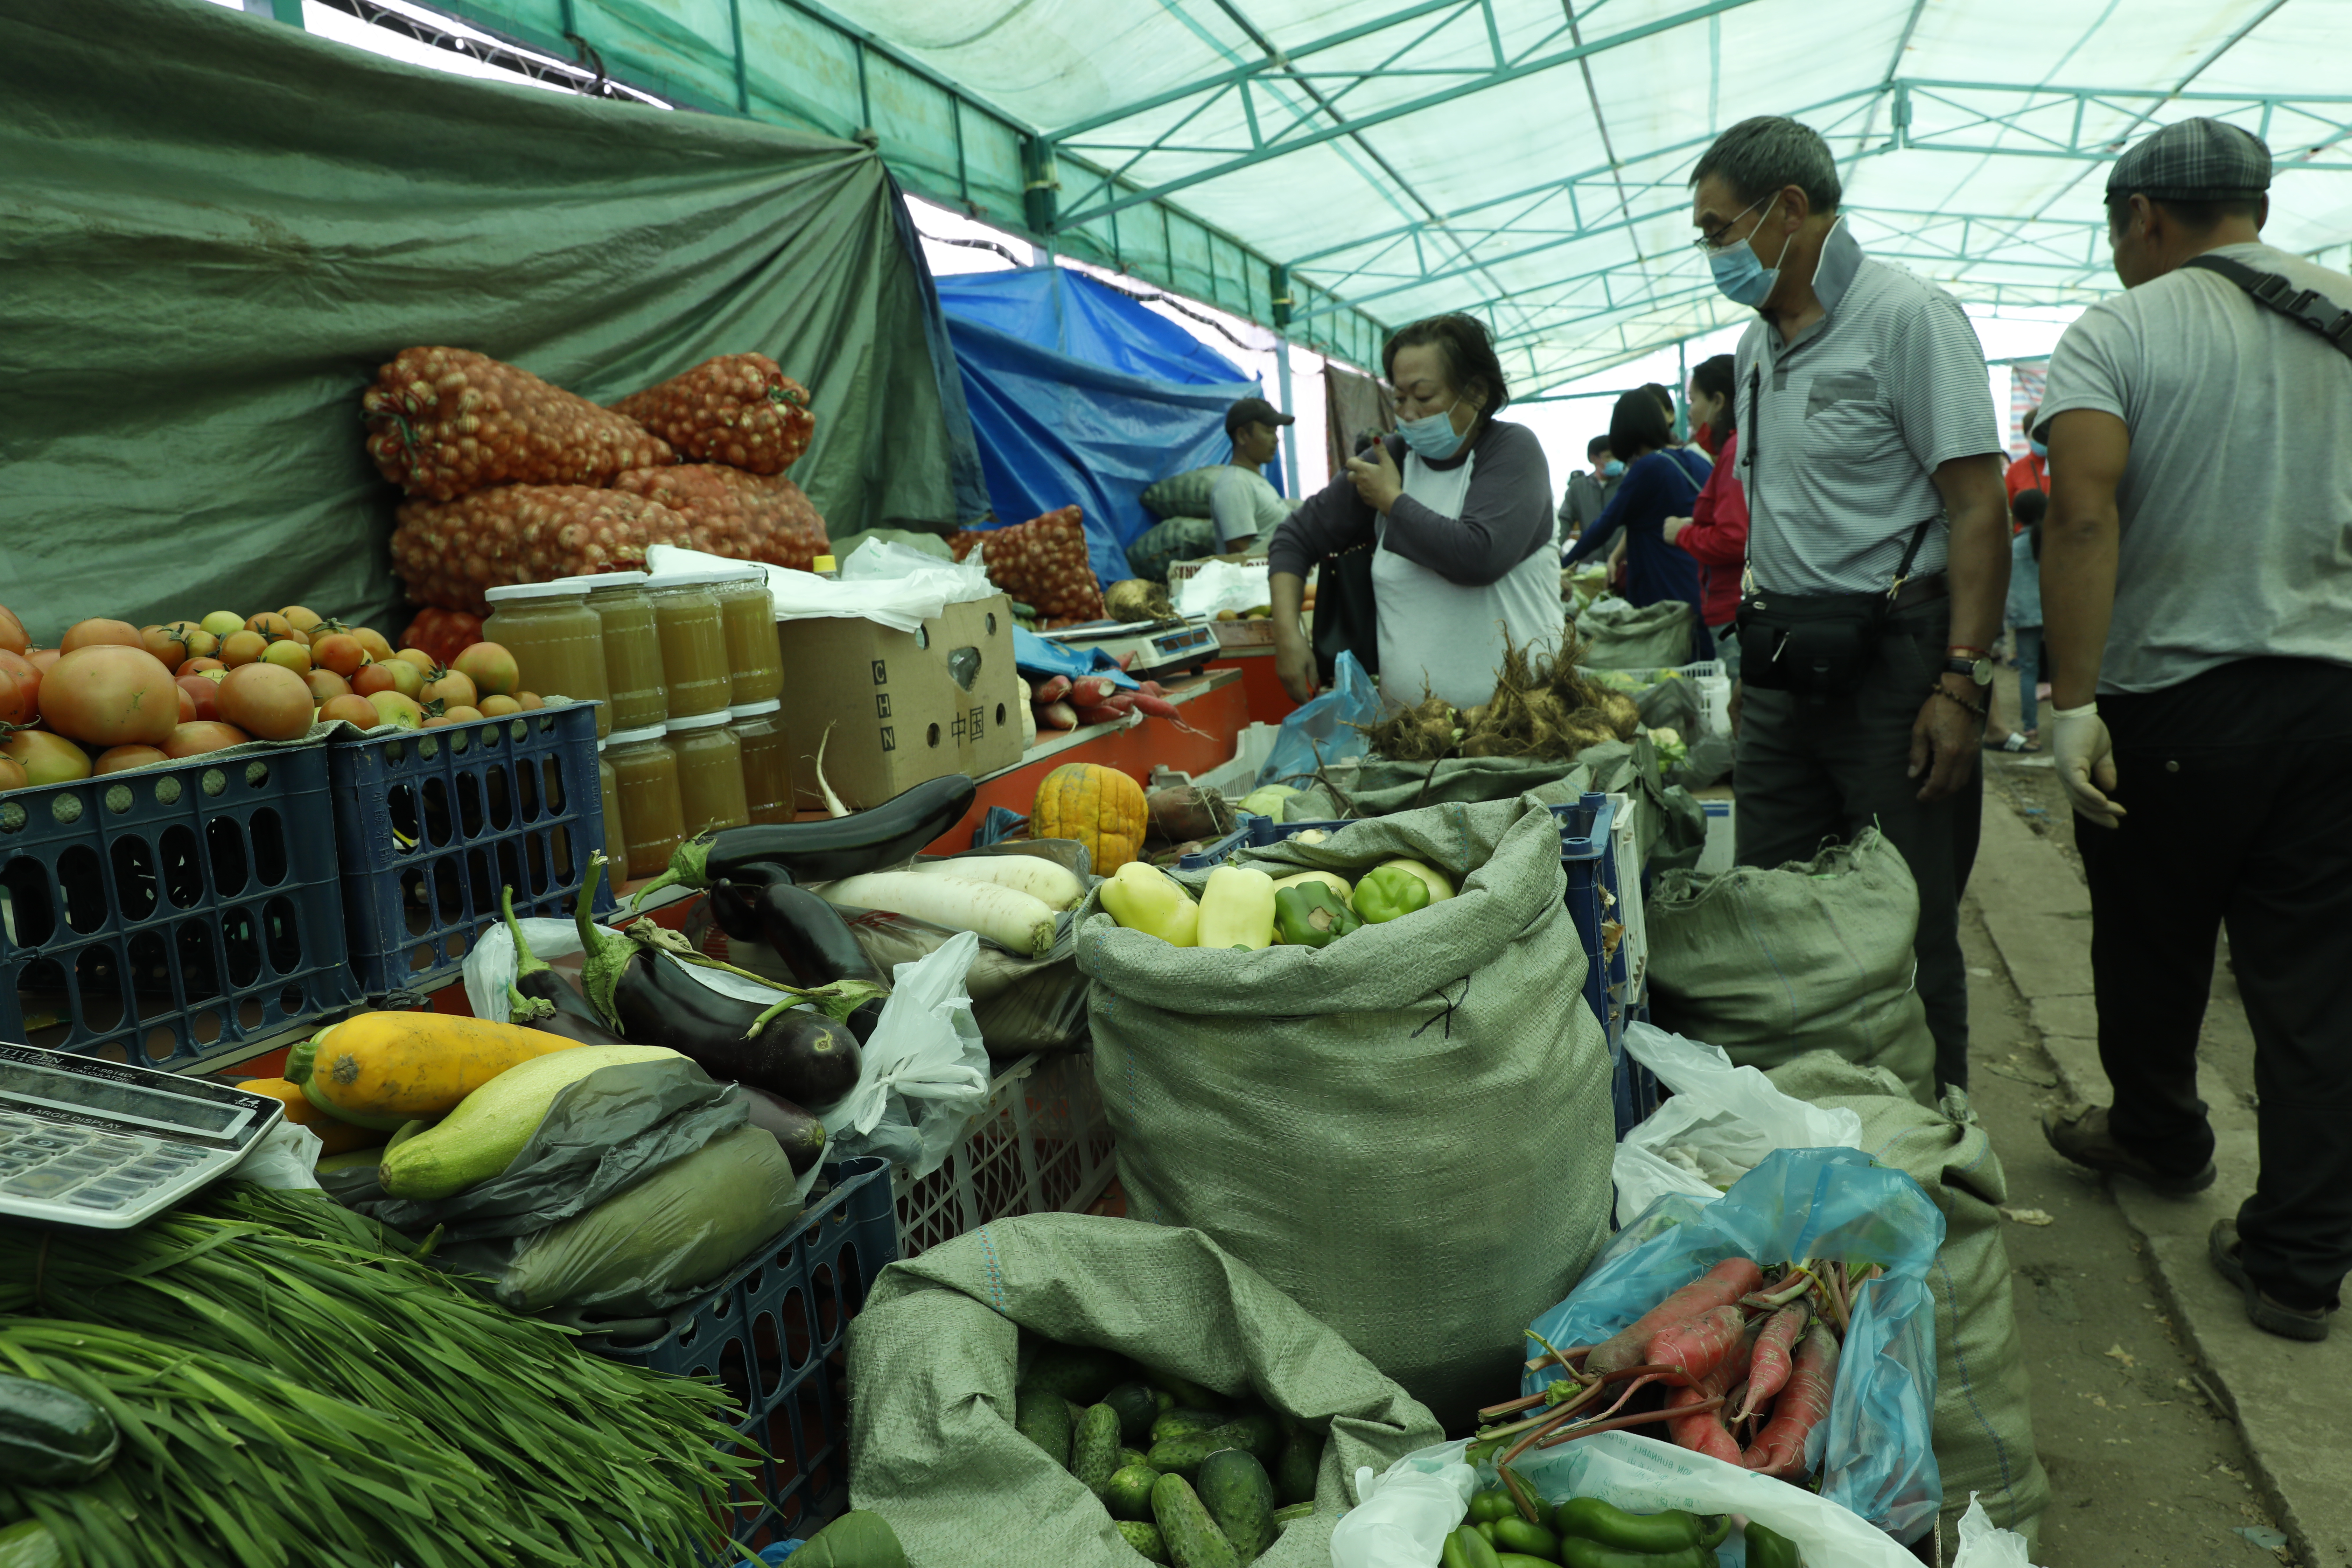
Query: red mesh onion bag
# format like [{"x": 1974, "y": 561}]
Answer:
[
  {"x": 1041, "y": 564},
  {"x": 443, "y": 423},
  {"x": 741, "y": 410},
  {"x": 745, "y": 517},
  {"x": 447, "y": 552}
]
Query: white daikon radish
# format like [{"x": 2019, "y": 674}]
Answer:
[
  {"x": 1033, "y": 875},
  {"x": 1005, "y": 915}
]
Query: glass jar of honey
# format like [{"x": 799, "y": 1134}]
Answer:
[
  {"x": 709, "y": 773},
  {"x": 558, "y": 642},
  {"x": 645, "y": 772},
  {"x": 633, "y": 664},
  {"x": 767, "y": 754},
  {"x": 693, "y": 635},
  {"x": 616, "y": 838},
  {"x": 748, "y": 611}
]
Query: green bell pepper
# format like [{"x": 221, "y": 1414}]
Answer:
[
  {"x": 1390, "y": 892},
  {"x": 1311, "y": 915},
  {"x": 1770, "y": 1549}
]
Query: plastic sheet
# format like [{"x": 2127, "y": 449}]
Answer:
[
  {"x": 1832, "y": 1205},
  {"x": 1984, "y": 1545},
  {"x": 925, "y": 1071},
  {"x": 1324, "y": 729}
]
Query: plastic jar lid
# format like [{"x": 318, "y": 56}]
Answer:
[
  {"x": 824, "y": 563},
  {"x": 754, "y": 709},
  {"x": 686, "y": 579},
  {"x": 698, "y": 721},
  {"x": 746, "y": 573},
  {"x": 515, "y": 590},
  {"x": 605, "y": 579},
  {"x": 631, "y": 737}
]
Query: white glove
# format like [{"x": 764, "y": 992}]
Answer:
[{"x": 2087, "y": 762}]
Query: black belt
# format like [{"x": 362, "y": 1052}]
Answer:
[{"x": 1917, "y": 591}]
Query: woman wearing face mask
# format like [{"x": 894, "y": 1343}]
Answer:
[
  {"x": 2031, "y": 473},
  {"x": 1458, "y": 507},
  {"x": 1662, "y": 480},
  {"x": 1715, "y": 534}
]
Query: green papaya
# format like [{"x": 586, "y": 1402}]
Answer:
[
  {"x": 1079, "y": 1374},
  {"x": 1138, "y": 1408},
  {"x": 1239, "y": 1495},
  {"x": 1296, "y": 1471},
  {"x": 1044, "y": 1417},
  {"x": 1182, "y": 1422},
  {"x": 1192, "y": 1537},
  {"x": 1094, "y": 1451},
  {"x": 1144, "y": 1539},
  {"x": 1129, "y": 1495}
]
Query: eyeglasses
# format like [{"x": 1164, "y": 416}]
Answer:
[{"x": 1711, "y": 244}]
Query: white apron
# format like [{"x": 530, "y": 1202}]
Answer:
[{"x": 1447, "y": 635}]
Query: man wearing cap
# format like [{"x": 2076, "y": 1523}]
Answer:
[
  {"x": 1245, "y": 505},
  {"x": 2196, "y": 589}
]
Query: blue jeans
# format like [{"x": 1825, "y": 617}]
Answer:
[{"x": 2028, "y": 673}]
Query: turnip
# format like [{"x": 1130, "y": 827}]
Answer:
[
  {"x": 1040, "y": 879},
  {"x": 1005, "y": 915}
]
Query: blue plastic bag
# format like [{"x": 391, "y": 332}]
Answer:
[
  {"x": 1324, "y": 729},
  {"x": 1836, "y": 1205},
  {"x": 1036, "y": 656}
]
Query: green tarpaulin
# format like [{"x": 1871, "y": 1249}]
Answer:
[{"x": 214, "y": 228}]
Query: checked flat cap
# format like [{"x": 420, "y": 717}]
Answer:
[{"x": 2193, "y": 161}]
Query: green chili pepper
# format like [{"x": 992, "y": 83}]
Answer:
[
  {"x": 1465, "y": 1548},
  {"x": 1311, "y": 915},
  {"x": 1770, "y": 1549},
  {"x": 1389, "y": 891},
  {"x": 1592, "y": 1520}
]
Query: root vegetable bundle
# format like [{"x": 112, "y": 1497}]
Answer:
[
  {"x": 449, "y": 553},
  {"x": 737, "y": 409},
  {"x": 742, "y": 516},
  {"x": 1042, "y": 564},
  {"x": 1543, "y": 708},
  {"x": 444, "y": 422}
]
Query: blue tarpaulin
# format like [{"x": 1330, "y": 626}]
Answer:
[{"x": 1081, "y": 397}]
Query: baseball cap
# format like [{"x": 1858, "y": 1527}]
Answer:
[
  {"x": 1254, "y": 411},
  {"x": 2198, "y": 160}
]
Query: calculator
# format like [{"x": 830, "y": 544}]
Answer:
[{"x": 105, "y": 1145}]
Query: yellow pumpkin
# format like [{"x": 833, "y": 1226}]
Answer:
[{"x": 1100, "y": 807}]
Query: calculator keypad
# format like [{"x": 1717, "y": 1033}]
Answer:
[{"x": 86, "y": 1169}]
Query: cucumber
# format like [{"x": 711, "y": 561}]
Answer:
[
  {"x": 1239, "y": 1495},
  {"x": 1512, "y": 1533},
  {"x": 52, "y": 1437},
  {"x": 1144, "y": 1539},
  {"x": 1183, "y": 1423},
  {"x": 1258, "y": 1432},
  {"x": 1043, "y": 1417},
  {"x": 1079, "y": 1374},
  {"x": 1183, "y": 1456},
  {"x": 1129, "y": 1495},
  {"x": 1296, "y": 1471},
  {"x": 1285, "y": 1517},
  {"x": 1192, "y": 1537},
  {"x": 1127, "y": 1456},
  {"x": 1094, "y": 1452},
  {"x": 1187, "y": 1393},
  {"x": 1137, "y": 1409}
]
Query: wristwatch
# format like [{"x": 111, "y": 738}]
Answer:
[{"x": 1978, "y": 669}]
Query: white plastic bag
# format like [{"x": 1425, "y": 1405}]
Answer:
[
  {"x": 1719, "y": 1126},
  {"x": 900, "y": 602},
  {"x": 1224, "y": 585},
  {"x": 284, "y": 1158},
  {"x": 1401, "y": 1519},
  {"x": 1984, "y": 1545},
  {"x": 924, "y": 1071},
  {"x": 886, "y": 560}
]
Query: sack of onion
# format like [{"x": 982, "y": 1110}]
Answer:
[
  {"x": 448, "y": 553},
  {"x": 741, "y": 516},
  {"x": 443, "y": 422},
  {"x": 1041, "y": 563},
  {"x": 737, "y": 409}
]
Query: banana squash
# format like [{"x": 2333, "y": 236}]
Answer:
[
  {"x": 382, "y": 1070},
  {"x": 336, "y": 1136},
  {"x": 481, "y": 1136}
]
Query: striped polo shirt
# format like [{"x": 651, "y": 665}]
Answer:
[{"x": 1840, "y": 432}]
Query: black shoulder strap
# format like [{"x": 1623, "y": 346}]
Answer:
[{"x": 2308, "y": 308}]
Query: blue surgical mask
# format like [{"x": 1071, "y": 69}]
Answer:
[
  {"x": 1432, "y": 438},
  {"x": 1743, "y": 279},
  {"x": 1611, "y": 469},
  {"x": 2040, "y": 448}
]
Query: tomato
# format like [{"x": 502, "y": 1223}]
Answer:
[
  {"x": 325, "y": 684},
  {"x": 273, "y": 625},
  {"x": 198, "y": 665},
  {"x": 356, "y": 710},
  {"x": 242, "y": 647},
  {"x": 87, "y": 633},
  {"x": 204, "y": 735},
  {"x": 302, "y": 619},
  {"x": 392, "y": 675},
  {"x": 288, "y": 654},
  {"x": 490, "y": 668},
  {"x": 417, "y": 656},
  {"x": 45, "y": 659},
  {"x": 267, "y": 700},
  {"x": 374, "y": 641},
  {"x": 449, "y": 688},
  {"x": 462, "y": 713},
  {"x": 175, "y": 642},
  {"x": 12, "y": 774},
  {"x": 499, "y": 707},
  {"x": 220, "y": 623},
  {"x": 20, "y": 689},
  {"x": 47, "y": 758},
  {"x": 401, "y": 712},
  {"x": 117, "y": 759},
  {"x": 340, "y": 652},
  {"x": 12, "y": 632},
  {"x": 527, "y": 701},
  {"x": 107, "y": 695},
  {"x": 204, "y": 693},
  {"x": 187, "y": 700}
]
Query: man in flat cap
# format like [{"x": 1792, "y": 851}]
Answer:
[{"x": 2197, "y": 592}]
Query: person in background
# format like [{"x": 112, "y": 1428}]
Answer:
[
  {"x": 1715, "y": 534},
  {"x": 2025, "y": 618},
  {"x": 1877, "y": 541},
  {"x": 1243, "y": 503},
  {"x": 2031, "y": 473},
  {"x": 1662, "y": 480},
  {"x": 1689, "y": 443},
  {"x": 1459, "y": 506},
  {"x": 1588, "y": 493},
  {"x": 2202, "y": 720}
]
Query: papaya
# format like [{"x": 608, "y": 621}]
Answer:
[
  {"x": 381, "y": 1069},
  {"x": 336, "y": 1136}
]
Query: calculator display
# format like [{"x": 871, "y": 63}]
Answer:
[{"x": 87, "y": 1095}]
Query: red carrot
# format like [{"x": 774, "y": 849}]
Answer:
[
  {"x": 1718, "y": 1286},
  {"x": 1768, "y": 1374},
  {"x": 1088, "y": 715},
  {"x": 1702, "y": 1431},
  {"x": 1780, "y": 1448},
  {"x": 1159, "y": 707},
  {"x": 1699, "y": 1345},
  {"x": 1055, "y": 690},
  {"x": 1092, "y": 690},
  {"x": 1056, "y": 716}
]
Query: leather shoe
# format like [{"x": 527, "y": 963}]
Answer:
[
  {"x": 2082, "y": 1135},
  {"x": 2271, "y": 1316}
]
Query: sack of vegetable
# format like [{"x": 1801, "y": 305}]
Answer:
[
  {"x": 969, "y": 1358},
  {"x": 1619, "y": 636},
  {"x": 1771, "y": 963},
  {"x": 1405, "y": 1125},
  {"x": 1984, "y": 1407}
]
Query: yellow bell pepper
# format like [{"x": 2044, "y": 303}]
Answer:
[
  {"x": 1237, "y": 909},
  {"x": 1141, "y": 897}
]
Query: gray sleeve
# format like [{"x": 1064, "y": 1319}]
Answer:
[
  {"x": 1231, "y": 504},
  {"x": 1937, "y": 386},
  {"x": 2090, "y": 367},
  {"x": 1506, "y": 517},
  {"x": 1331, "y": 520}
]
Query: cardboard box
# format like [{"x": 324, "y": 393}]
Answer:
[{"x": 904, "y": 706}]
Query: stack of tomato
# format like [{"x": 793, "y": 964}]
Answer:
[{"x": 111, "y": 696}]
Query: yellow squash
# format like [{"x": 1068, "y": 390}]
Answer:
[
  {"x": 382, "y": 1070},
  {"x": 1100, "y": 807},
  {"x": 335, "y": 1137}
]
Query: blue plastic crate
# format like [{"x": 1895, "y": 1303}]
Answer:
[
  {"x": 1255, "y": 833},
  {"x": 166, "y": 914},
  {"x": 431, "y": 824},
  {"x": 773, "y": 1334},
  {"x": 1593, "y": 896}
]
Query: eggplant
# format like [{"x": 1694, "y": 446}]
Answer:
[
  {"x": 731, "y": 899},
  {"x": 540, "y": 998},
  {"x": 827, "y": 848},
  {"x": 811, "y": 937},
  {"x": 800, "y": 1135}
]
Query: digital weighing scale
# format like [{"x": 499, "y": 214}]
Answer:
[
  {"x": 1160, "y": 647},
  {"x": 107, "y": 1146}
]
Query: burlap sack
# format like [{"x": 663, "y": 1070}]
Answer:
[
  {"x": 1984, "y": 1398},
  {"x": 933, "y": 1362},
  {"x": 1769, "y": 964},
  {"x": 1407, "y": 1130},
  {"x": 1654, "y": 636}
]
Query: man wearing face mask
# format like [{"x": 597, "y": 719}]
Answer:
[
  {"x": 1878, "y": 541},
  {"x": 2031, "y": 473},
  {"x": 1588, "y": 494},
  {"x": 1457, "y": 505}
]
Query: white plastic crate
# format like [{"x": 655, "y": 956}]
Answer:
[
  {"x": 1714, "y": 690},
  {"x": 1626, "y": 850},
  {"x": 1235, "y": 779},
  {"x": 1041, "y": 1146}
]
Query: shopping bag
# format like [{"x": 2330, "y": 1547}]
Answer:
[{"x": 1328, "y": 729}]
